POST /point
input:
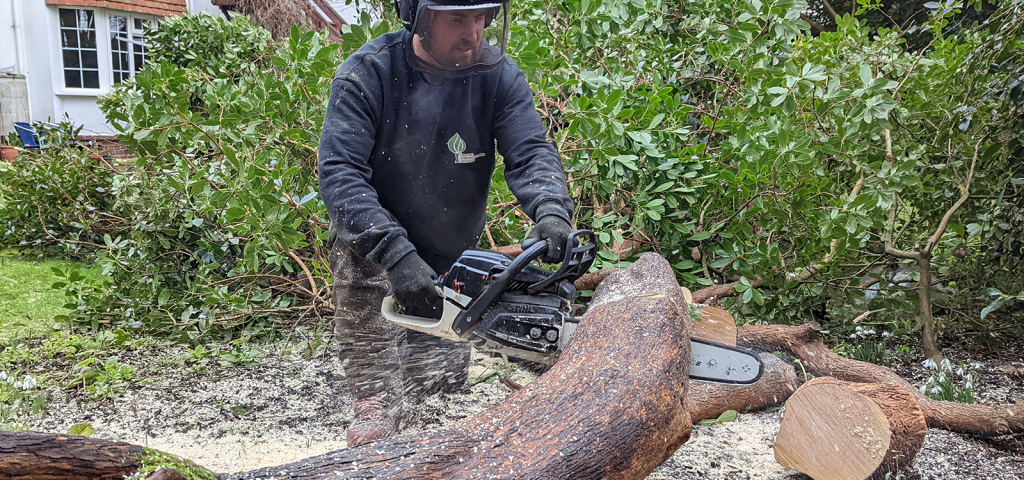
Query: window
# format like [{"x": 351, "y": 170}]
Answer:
[
  {"x": 127, "y": 46},
  {"x": 141, "y": 55},
  {"x": 78, "y": 47}
]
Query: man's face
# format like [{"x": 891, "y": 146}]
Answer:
[{"x": 454, "y": 37}]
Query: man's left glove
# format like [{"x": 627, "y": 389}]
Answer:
[{"x": 556, "y": 231}]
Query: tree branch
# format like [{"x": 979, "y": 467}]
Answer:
[{"x": 965, "y": 193}]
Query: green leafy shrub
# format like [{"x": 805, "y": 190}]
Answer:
[{"x": 59, "y": 201}]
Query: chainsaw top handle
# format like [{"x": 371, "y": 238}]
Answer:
[{"x": 580, "y": 250}]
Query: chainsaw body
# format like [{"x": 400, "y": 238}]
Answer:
[{"x": 511, "y": 307}]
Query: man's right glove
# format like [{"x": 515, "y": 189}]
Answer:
[
  {"x": 553, "y": 229},
  {"x": 413, "y": 283}
]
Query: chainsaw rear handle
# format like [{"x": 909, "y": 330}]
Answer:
[
  {"x": 435, "y": 327},
  {"x": 576, "y": 262}
]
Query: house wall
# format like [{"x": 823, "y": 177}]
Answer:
[{"x": 32, "y": 30}]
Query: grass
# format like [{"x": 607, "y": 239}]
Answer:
[{"x": 27, "y": 303}]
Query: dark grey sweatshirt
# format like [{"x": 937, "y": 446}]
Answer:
[{"x": 406, "y": 164}]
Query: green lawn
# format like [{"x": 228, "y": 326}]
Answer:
[{"x": 27, "y": 303}]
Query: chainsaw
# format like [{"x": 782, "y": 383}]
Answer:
[{"x": 509, "y": 306}]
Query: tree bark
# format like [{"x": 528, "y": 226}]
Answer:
[
  {"x": 45, "y": 456},
  {"x": 836, "y": 430},
  {"x": 802, "y": 342}
]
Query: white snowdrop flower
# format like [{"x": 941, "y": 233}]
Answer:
[
  {"x": 853, "y": 335},
  {"x": 859, "y": 329},
  {"x": 929, "y": 364},
  {"x": 976, "y": 365},
  {"x": 936, "y": 390},
  {"x": 924, "y": 388},
  {"x": 3, "y": 375},
  {"x": 17, "y": 384},
  {"x": 960, "y": 371},
  {"x": 945, "y": 365},
  {"x": 870, "y": 332},
  {"x": 942, "y": 377},
  {"x": 886, "y": 334}
]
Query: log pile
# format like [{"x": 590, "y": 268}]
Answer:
[{"x": 616, "y": 405}]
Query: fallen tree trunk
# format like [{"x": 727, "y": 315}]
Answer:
[
  {"x": 836, "y": 430},
  {"x": 614, "y": 406},
  {"x": 803, "y": 343}
]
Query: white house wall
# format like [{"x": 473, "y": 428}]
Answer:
[
  {"x": 204, "y": 6},
  {"x": 34, "y": 28}
]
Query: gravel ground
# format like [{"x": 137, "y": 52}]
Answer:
[{"x": 285, "y": 408}]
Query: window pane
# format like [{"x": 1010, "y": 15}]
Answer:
[
  {"x": 124, "y": 60},
  {"x": 68, "y": 18},
  {"x": 118, "y": 24},
  {"x": 71, "y": 59},
  {"x": 141, "y": 24},
  {"x": 91, "y": 78},
  {"x": 89, "y": 59},
  {"x": 85, "y": 20},
  {"x": 87, "y": 38},
  {"x": 69, "y": 38},
  {"x": 72, "y": 79}
]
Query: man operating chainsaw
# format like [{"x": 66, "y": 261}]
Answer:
[{"x": 406, "y": 156}]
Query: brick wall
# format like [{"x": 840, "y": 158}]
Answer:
[
  {"x": 161, "y": 8},
  {"x": 106, "y": 146}
]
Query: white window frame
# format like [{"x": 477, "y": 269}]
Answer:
[
  {"x": 133, "y": 41},
  {"x": 81, "y": 69}
]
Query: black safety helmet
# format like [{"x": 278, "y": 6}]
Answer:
[{"x": 408, "y": 10}]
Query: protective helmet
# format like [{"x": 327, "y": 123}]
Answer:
[{"x": 457, "y": 36}]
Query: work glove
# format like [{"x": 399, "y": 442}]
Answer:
[
  {"x": 412, "y": 280},
  {"x": 553, "y": 229}
]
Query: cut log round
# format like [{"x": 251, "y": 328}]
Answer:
[
  {"x": 715, "y": 324},
  {"x": 835, "y": 430}
]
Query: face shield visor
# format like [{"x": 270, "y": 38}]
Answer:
[{"x": 459, "y": 38}]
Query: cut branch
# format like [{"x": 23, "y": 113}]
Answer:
[{"x": 802, "y": 342}]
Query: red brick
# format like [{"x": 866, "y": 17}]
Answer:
[{"x": 161, "y": 8}]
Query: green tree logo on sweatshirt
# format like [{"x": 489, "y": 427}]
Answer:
[{"x": 457, "y": 145}]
